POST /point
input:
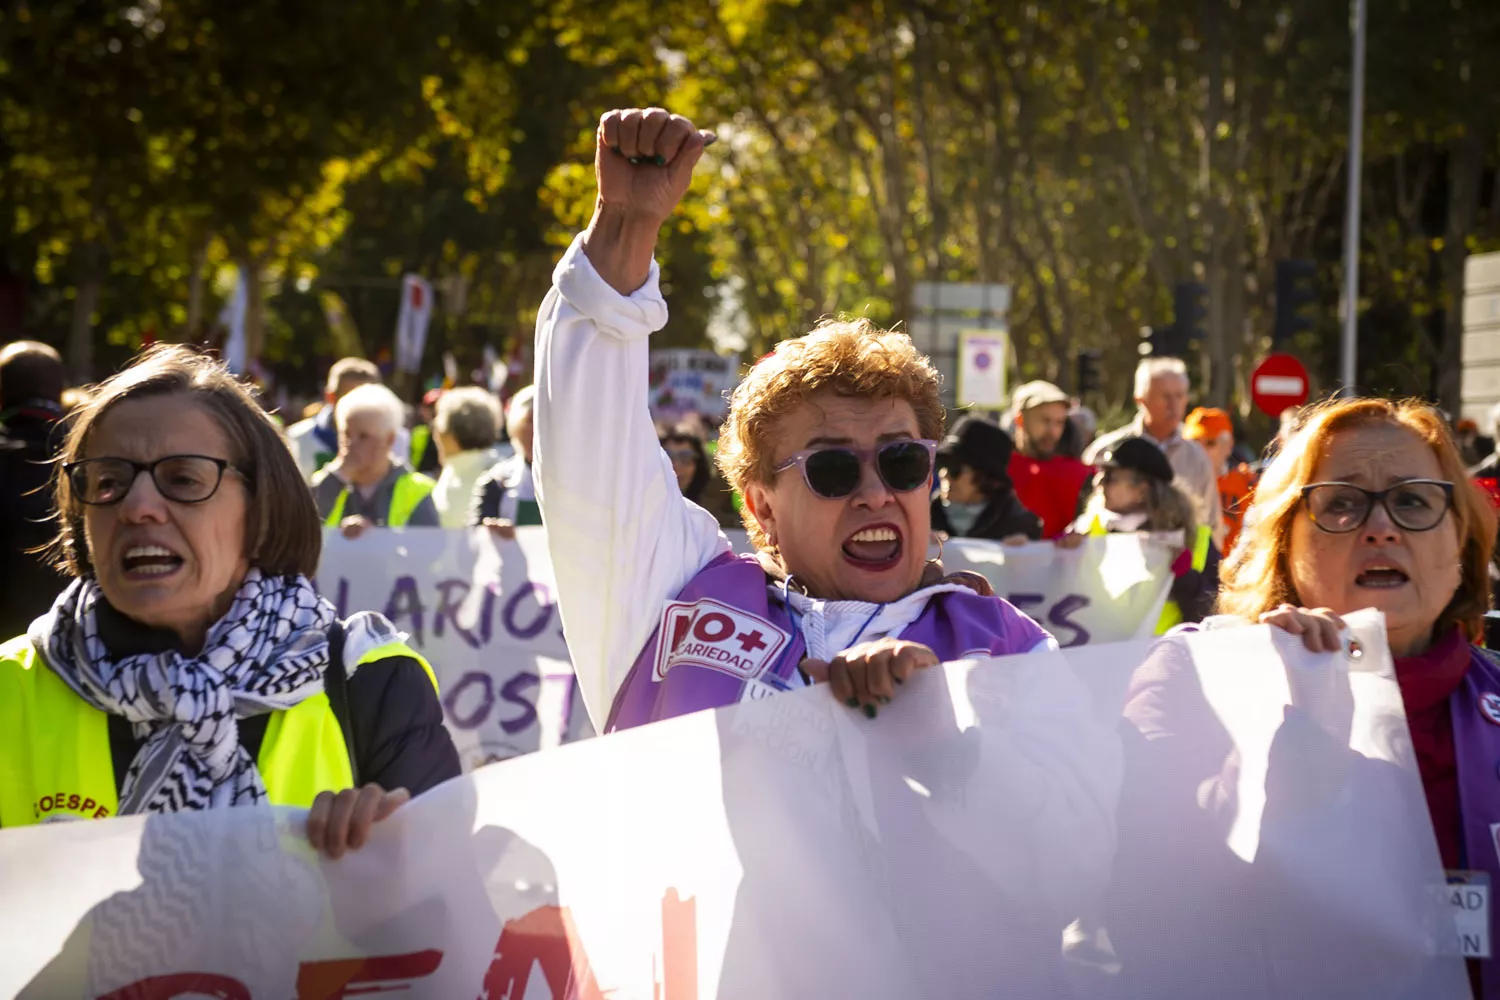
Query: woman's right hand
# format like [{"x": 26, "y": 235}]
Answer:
[
  {"x": 668, "y": 147},
  {"x": 353, "y": 527},
  {"x": 636, "y": 198},
  {"x": 1319, "y": 628}
]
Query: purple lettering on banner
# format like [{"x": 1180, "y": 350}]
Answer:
[
  {"x": 406, "y": 602},
  {"x": 512, "y": 692},
  {"x": 543, "y": 615},
  {"x": 341, "y": 598},
  {"x": 451, "y": 596},
  {"x": 1026, "y": 603},
  {"x": 477, "y": 717},
  {"x": 487, "y": 614},
  {"x": 1058, "y": 616}
]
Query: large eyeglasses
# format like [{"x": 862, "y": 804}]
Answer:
[
  {"x": 1415, "y": 505},
  {"x": 180, "y": 478},
  {"x": 834, "y": 473}
]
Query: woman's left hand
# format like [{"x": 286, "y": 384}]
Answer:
[
  {"x": 867, "y": 675},
  {"x": 342, "y": 822},
  {"x": 1321, "y": 630}
]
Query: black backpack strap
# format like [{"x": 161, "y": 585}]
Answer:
[{"x": 336, "y": 686}]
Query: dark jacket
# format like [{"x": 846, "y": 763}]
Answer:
[
  {"x": 490, "y": 490},
  {"x": 1001, "y": 518},
  {"x": 1195, "y": 591},
  {"x": 29, "y": 442},
  {"x": 394, "y": 714}
]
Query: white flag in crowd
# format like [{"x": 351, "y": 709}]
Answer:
[
  {"x": 411, "y": 324},
  {"x": 998, "y": 831},
  {"x": 232, "y": 319}
]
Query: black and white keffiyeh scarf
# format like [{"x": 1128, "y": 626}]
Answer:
[{"x": 267, "y": 653}]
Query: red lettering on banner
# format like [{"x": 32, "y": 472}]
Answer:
[
  {"x": 46, "y": 804},
  {"x": 332, "y": 979},
  {"x": 545, "y": 937},
  {"x": 182, "y": 984}
]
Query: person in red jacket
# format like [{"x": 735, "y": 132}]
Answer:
[{"x": 1050, "y": 484}]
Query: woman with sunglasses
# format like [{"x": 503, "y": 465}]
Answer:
[
  {"x": 831, "y": 440},
  {"x": 695, "y": 476},
  {"x": 190, "y": 664},
  {"x": 1366, "y": 506}
]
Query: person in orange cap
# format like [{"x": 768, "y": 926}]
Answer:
[{"x": 1214, "y": 432}]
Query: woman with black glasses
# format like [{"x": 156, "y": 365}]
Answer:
[{"x": 190, "y": 664}]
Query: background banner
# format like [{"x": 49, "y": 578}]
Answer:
[
  {"x": 483, "y": 611},
  {"x": 687, "y": 380},
  {"x": 996, "y": 831}
]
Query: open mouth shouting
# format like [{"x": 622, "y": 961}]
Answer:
[
  {"x": 1382, "y": 576},
  {"x": 149, "y": 562},
  {"x": 875, "y": 547}
]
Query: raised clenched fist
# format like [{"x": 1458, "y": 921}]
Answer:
[{"x": 644, "y": 161}]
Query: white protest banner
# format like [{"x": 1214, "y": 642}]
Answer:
[
  {"x": 483, "y": 612},
  {"x": 1109, "y": 589},
  {"x": 691, "y": 381},
  {"x": 412, "y": 322},
  {"x": 963, "y": 844}
]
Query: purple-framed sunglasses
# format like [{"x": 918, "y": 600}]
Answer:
[{"x": 834, "y": 471}]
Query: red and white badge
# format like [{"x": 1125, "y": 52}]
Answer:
[
  {"x": 711, "y": 634},
  {"x": 1489, "y": 707}
]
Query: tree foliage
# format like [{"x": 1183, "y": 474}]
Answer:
[{"x": 1090, "y": 155}]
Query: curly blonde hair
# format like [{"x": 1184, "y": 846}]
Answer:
[
  {"x": 1257, "y": 577},
  {"x": 851, "y": 357}
]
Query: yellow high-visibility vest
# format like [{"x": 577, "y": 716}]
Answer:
[
  {"x": 1171, "y": 612},
  {"x": 411, "y": 489},
  {"x": 55, "y": 758}
]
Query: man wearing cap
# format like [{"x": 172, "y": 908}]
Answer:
[
  {"x": 1048, "y": 483},
  {"x": 1161, "y": 393},
  {"x": 976, "y": 498},
  {"x": 1214, "y": 432}
]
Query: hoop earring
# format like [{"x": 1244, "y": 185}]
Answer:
[{"x": 938, "y": 559}]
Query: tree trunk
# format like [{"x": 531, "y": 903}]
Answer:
[
  {"x": 194, "y": 322},
  {"x": 255, "y": 308},
  {"x": 87, "y": 286},
  {"x": 1465, "y": 171}
]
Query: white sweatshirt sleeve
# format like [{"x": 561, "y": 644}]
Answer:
[{"x": 622, "y": 538}]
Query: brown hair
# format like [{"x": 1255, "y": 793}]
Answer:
[
  {"x": 851, "y": 357},
  {"x": 283, "y": 536},
  {"x": 1257, "y": 577}
]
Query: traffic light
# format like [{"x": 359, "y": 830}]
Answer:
[
  {"x": 1153, "y": 341},
  {"x": 1189, "y": 314},
  {"x": 1294, "y": 292},
  {"x": 1088, "y": 371}
]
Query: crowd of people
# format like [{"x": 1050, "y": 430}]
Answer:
[{"x": 170, "y": 651}]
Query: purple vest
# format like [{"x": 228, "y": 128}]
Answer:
[
  {"x": 1475, "y": 709},
  {"x": 723, "y": 639}
]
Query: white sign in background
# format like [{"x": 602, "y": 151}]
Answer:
[
  {"x": 484, "y": 612},
  {"x": 790, "y": 848}
]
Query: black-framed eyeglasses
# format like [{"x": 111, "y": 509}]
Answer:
[
  {"x": 1415, "y": 505},
  {"x": 834, "y": 472},
  {"x": 100, "y": 482}
]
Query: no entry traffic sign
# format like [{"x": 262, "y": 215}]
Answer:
[{"x": 1278, "y": 382}]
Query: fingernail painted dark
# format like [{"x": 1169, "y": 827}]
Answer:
[{"x": 869, "y": 711}]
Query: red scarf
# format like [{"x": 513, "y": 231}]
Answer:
[{"x": 1427, "y": 680}]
